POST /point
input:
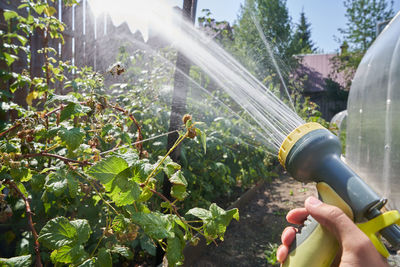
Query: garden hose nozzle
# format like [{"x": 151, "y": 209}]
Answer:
[{"x": 311, "y": 153}]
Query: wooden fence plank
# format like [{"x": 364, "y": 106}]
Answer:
[{"x": 79, "y": 35}]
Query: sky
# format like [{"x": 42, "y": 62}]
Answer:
[{"x": 325, "y": 16}]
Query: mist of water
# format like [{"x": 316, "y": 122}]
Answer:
[{"x": 271, "y": 117}]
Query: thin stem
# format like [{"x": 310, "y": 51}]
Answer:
[
  {"x": 97, "y": 192},
  {"x": 180, "y": 139},
  {"x": 45, "y": 154},
  {"x": 30, "y": 221}
]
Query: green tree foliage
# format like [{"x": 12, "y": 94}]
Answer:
[
  {"x": 362, "y": 18},
  {"x": 360, "y": 31},
  {"x": 301, "y": 42},
  {"x": 273, "y": 17}
]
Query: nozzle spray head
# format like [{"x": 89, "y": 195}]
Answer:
[{"x": 311, "y": 153}]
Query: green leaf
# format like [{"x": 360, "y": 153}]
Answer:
[
  {"x": 9, "y": 14},
  {"x": 175, "y": 246},
  {"x": 58, "y": 182},
  {"x": 22, "y": 188},
  {"x": 170, "y": 168},
  {"x": 72, "y": 137},
  {"x": 21, "y": 174},
  {"x": 123, "y": 251},
  {"x": 10, "y": 58},
  {"x": 20, "y": 261},
  {"x": 73, "y": 109},
  {"x": 179, "y": 192},
  {"x": 60, "y": 232},
  {"x": 178, "y": 179},
  {"x": 216, "y": 227},
  {"x": 155, "y": 225},
  {"x": 200, "y": 213},
  {"x": 61, "y": 98},
  {"x": 148, "y": 245},
  {"x": 120, "y": 223},
  {"x": 203, "y": 139},
  {"x": 57, "y": 232},
  {"x": 104, "y": 258},
  {"x": 107, "y": 169},
  {"x": 124, "y": 190},
  {"x": 69, "y": 254},
  {"x": 82, "y": 230}
]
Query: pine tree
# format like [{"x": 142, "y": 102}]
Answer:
[{"x": 301, "y": 42}]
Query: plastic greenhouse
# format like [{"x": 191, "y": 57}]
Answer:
[{"x": 373, "y": 123}]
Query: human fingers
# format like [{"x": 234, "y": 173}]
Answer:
[
  {"x": 288, "y": 235},
  {"x": 334, "y": 219},
  {"x": 297, "y": 216},
  {"x": 282, "y": 253}
]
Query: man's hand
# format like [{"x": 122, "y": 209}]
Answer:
[{"x": 357, "y": 249}]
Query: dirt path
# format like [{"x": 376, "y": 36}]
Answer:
[{"x": 261, "y": 223}]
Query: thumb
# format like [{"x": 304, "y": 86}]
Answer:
[{"x": 334, "y": 219}]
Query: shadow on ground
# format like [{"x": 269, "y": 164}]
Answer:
[{"x": 261, "y": 223}]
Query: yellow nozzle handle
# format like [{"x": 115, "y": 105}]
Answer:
[{"x": 319, "y": 247}]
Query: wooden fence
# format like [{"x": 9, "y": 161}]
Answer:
[{"x": 89, "y": 40}]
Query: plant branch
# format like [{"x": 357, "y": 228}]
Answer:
[
  {"x": 45, "y": 154},
  {"x": 180, "y": 139},
  {"x": 138, "y": 143},
  {"x": 30, "y": 221},
  {"x": 9, "y": 130}
]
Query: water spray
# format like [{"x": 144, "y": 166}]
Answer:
[{"x": 311, "y": 153}]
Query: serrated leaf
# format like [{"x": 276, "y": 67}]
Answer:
[
  {"x": 82, "y": 230},
  {"x": 61, "y": 98},
  {"x": 170, "y": 168},
  {"x": 72, "y": 137},
  {"x": 203, "y": 139},
  {"x": 72, "y": 109},
  {"x": 60, "y": 232},
  {"x": 107, "y": 169},
  {"x": 21, "y": 174},
  {"x": 148, "y": 245},
  {"x": 178, "y": 179},
  {"x": 220, "y": 219},
  {"x": 22, "y": 188},
  {"x": 104, "y": 258},
  {"x": 175, "y": 246},
  {"x": 200, "y": 213},
  {"x": 58, "y": 182},
  {"x": 50, "y": 11},
  {"x": 154, "y": 224},
  {"x": 124, "y": 190},
  {"x": 120, "y": 223},
  {"x": 123, "y": 251},
  {"x": 9, "y": 14},
  {"x": 56, "y": 233},
  {"x": 179, "y": 192},
  {"x": 69, "y": 254},
  {"x": 20, "y": 261}
]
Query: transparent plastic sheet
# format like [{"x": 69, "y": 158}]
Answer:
[{"x": 373, "y": 123}]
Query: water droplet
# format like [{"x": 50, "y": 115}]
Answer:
[
  {"x": 361, "y": 110},
  {"x": 388, "y": 101}
]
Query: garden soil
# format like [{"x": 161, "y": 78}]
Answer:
[{"x": 262, "y": 219}]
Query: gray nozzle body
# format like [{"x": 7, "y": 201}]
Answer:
[{"x": 316, "y": 157}]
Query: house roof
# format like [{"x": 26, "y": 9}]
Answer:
[{"x": 318, "y": 68}]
